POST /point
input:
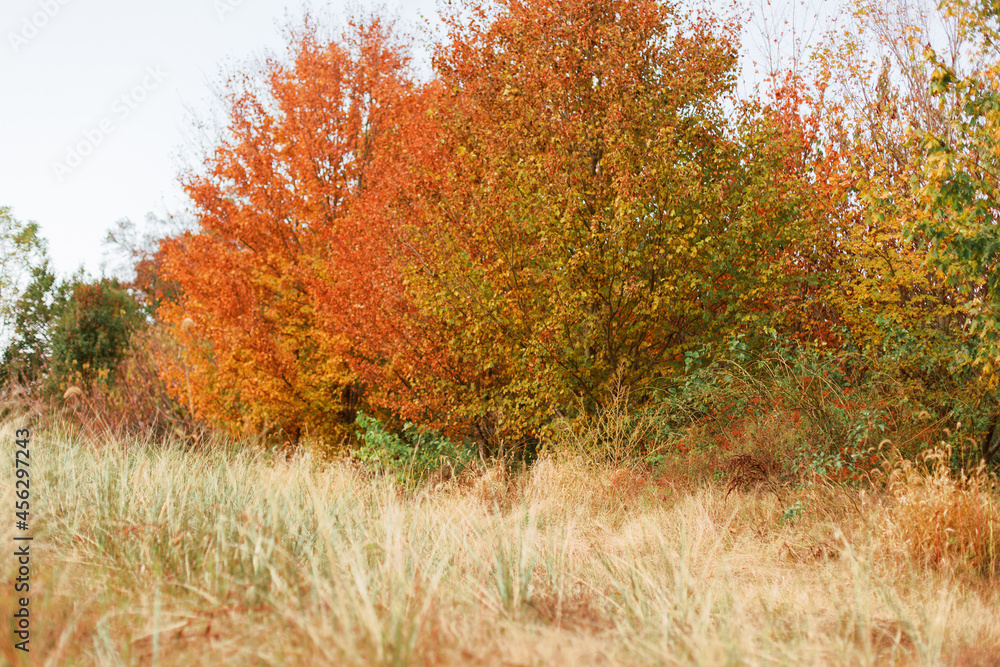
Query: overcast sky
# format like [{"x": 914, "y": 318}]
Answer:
[
  {"x": 97, "y": 94},
  {"x": 96, "y": 99}
]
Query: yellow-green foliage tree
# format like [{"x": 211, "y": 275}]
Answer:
[
  {"x": 876, "y": 106},
  {"x": 960, "y": 189},
  {"x": 959, "y": 193},
  {"x": 597, "y": 212}
]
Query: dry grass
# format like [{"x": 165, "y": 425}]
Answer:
[
  {"x": 149, "y": 555},
  {"x": 947, "y": 520}
]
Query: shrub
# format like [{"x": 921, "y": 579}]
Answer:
[
  {"x": 412, "y": 454},
  {"x": 810, "y": 411},
  {"x": 620, "y": 435},
  {"x": 92, "y": 336}
]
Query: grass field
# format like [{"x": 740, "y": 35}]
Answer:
[{"x": 145, "y": 554}]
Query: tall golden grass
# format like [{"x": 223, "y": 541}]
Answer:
[
  {"x": 146, "y": 554},
  {"x": 946, "y": 519}
]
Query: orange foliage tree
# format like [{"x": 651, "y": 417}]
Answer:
[{"x": 295, "y": 158}]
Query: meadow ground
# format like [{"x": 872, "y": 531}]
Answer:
[{"x": 146, "y": 554}]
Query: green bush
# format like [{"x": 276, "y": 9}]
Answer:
[
  {"x": 411, "y": 455},
  {"x": 92, "y": 336},
  {"x": 809, "y": 410}
]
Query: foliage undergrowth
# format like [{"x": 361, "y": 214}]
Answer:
[
  {"x": 410, "y": 455},
  {"x": 814, "y": 413}
]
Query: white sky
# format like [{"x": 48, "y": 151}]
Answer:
[
  {"x": 115, "y": 79},
  {"x": 96, "y": 95}
]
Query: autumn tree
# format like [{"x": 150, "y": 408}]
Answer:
[
  {"x": 574, "y": 200},
  {"x": 294, "y": 159},
  {"x": 873, "y": 94},
  {"x": 363, "y": 284},
  {"x": 594, "y": 211},
  {"x": 959, "y": 195}
]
